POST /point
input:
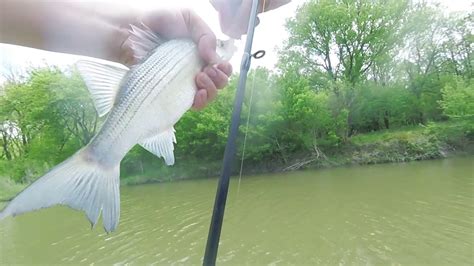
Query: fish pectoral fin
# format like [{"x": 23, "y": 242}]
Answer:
[
  {"x": 161, "y": 145},
  {"x": 103, "y": 82},
  {"x": 143, "y": 40}
]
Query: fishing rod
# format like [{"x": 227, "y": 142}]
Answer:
[{"x": 229, "y": 153}]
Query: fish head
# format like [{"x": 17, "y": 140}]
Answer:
[{"x": 226, "y": 49}]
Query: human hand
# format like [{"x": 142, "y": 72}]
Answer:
[
  {"x": 185, "y": 23},
  {"x": 234, "y": 14}
]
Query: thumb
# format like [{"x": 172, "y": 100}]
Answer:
[
  {"x": 202, "y": 35},
  {"x": 207, "y": 48}
]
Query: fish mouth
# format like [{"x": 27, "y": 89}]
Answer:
[{"x": 226, "y": 48}]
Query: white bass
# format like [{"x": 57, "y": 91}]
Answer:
[{"x": 143, "y": 103}]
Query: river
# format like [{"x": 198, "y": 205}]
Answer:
[{"x": 409, "y": 214}]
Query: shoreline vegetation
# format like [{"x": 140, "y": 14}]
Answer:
[
  {"x": 357, "y": 82},
  {"x": 436, "y": 141},
  {"x": 415, "y": 143}
]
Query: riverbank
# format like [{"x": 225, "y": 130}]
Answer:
[
  {"x": 414, "y": 143},
  {"x": 422, "y": 142}
]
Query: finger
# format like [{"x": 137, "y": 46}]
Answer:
[
  {"x": 243, "y": 14},
  {"x": 273, "y": 4},
  {"x": 202, "y": 35},
  {"x": 200, "y": 99},
  {"x": 204, "y": 82},
  {"x": 207, "y": 49},
  {"x": 264, "y": 5},
  {"x": 169, "y": 23},
  {"x": 184, "y": 23},
  {"x": 220, "y": 4},
  {"x": 218, "y": 77},
  {"x": 234, "y": 22},
  {"x": 241, "y": 17},
  {"x": 225, "y": 67},
  {"x": 226, "y": 11}
]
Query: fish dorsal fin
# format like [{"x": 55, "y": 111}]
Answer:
[
  {"x": 143, "y": 40},
  {"x": 103, "y": 82},
  {"x": 161, "y": 145}
]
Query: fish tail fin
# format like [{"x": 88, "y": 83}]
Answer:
[{"x": 81, "y": 183}]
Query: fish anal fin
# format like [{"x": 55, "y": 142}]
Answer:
[
  {"x": 103, "y": 82},
  {"x": 162, "y": 145}
]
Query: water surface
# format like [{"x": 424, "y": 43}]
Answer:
[{"x": 408, "y": 214}]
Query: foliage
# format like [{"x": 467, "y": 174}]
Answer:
[
  {"x": 343, "y": 38},
  {"x": 458, "y": 99},
  {"x": 367, "y": 81},
  {"x": 44, "y": 120},
  {"x": 458, "y": 133}
]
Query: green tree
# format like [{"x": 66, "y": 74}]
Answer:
[
  {"x": 458, "y": 45},
  {"x": 44, "y": 119},
  {"x": 458, "y": 99},
  {"x": 263, "y": 107},
  {"x": 344, "y": 41},
  {"x": 344, "y": 38}
]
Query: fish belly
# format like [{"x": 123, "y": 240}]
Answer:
[
  {"x": 176, "y": 97},
  {"x": 166, "y": 94}
]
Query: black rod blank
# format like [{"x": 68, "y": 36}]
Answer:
[{"x": 229, "y": 153}]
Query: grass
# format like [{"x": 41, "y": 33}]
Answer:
[
  {"x": 405, "y": 133},
  {"x": 433, "y": 141},
  {"x": 409, "y": 133}
]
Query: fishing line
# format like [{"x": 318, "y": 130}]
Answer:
[{"x": 246, "y": 131}]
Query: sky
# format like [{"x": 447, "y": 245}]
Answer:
[{"x": 269, "y": 35}]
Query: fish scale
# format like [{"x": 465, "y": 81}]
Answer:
[{"x": 139, "y": 83}]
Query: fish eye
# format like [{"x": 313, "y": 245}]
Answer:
[{"x": 220, "y": 43}]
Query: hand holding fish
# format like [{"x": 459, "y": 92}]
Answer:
[
  {"x": 185, "y": 23},
  {"x": 101, "y": 29}
]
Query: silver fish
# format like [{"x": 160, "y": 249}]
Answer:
[{"x": 143, "y": 103}]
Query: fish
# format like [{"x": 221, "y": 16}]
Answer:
[{"x": 142, "y": 104}]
